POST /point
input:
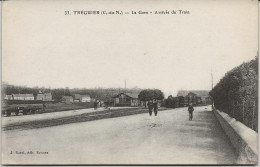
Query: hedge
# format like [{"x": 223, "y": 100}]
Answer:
[{"x": 237, "y": 93}]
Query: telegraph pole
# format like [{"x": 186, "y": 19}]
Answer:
[
  {"x": 212, "y": 88},
  {"x": 211, "y": 80},
  {"x": 125, "y": 93}
]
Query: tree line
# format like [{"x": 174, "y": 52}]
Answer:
[
  {"x": 150, "y": 94},
  {"x": 57, "y": 93},
  {"x": 96, "y": 93}
]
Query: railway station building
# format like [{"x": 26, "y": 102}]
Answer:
[{"x": 126, "y": 99}]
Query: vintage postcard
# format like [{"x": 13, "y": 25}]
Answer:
[{"x": 129, "y": 82}]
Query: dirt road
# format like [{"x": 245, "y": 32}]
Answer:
[{"x": 169, "y": 138}]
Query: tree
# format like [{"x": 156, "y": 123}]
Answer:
[
  {"x": 67, "y": 92},
  {"x": 150, "y": 94}
]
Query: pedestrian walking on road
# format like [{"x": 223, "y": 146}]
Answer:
[
  {"x": 155, "y": 106},
  {"x": 43, "y": 106},
  {"x": 95, "y": 104},
  {"x": 190, "y": 109},
  {"x": 150, "y": 107}
]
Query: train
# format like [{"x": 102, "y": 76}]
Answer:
[
  {"x": 25, "y": 109},
  {"x": 180, "y": 101}
]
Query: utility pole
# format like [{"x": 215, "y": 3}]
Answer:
[
  {"x": 211, "y": 80},
  {"x": 125, "y": 92},
  {"x": 212, "y": 88}
]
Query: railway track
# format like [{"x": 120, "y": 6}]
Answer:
[{"x": 74, "y": 119}]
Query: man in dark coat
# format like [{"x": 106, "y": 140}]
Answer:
[
  {"x": 150, "y": 107},
  {"x": 95, "y": 104},
  {"x": 190, "y": 109},
  {"x": 155, "y": 106},
  {"x": 43, "y": 106}
]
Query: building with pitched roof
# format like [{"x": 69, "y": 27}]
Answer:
[
  {"x": 82, "y": 98},
  {"x": 67, "y": 99},
  {"x": 195, "y": 96},
  {"x": 8, "y": 97},
  {"x": 44, "y": 96},
  {"x": 22, "y": 97},
  {"x": 126, "y": 99}
]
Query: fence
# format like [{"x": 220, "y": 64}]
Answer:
[{"x": 245, "y": 112}]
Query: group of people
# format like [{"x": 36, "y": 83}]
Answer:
[{"x": 153, "y": 106}]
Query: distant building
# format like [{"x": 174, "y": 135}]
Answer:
[
  {"x": 126, "y": 99},
  {"x": 192, "y": 98},
  {"x": 22, "y": 97},
  {"x": 67, "y": 99},
  {"x": 8, "y": 97},
  {"x": 181, "y": 101},
  {"x": 85, "y": 98},
  {"x": 195, "y": 96},
  {"x": 44, "y": 96},
  {"x": 48, "y": 96},
  {"x": 76, "y": 97},
  {"x": 40, "y": 97},
  {"x": 105, "y": 100},
  {"x": 82, "y": 98}
]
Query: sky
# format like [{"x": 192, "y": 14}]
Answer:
[{"x": 42, "y": 46}]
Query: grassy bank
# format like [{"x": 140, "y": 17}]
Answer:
[
  {"x": 105, "y": 114},
  {"x": 65, "y": 107}
]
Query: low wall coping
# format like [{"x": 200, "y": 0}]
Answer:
[{"x": 247, "y": 150}]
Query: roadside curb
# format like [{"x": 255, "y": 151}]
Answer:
[{"x": 243, "y": 139}]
